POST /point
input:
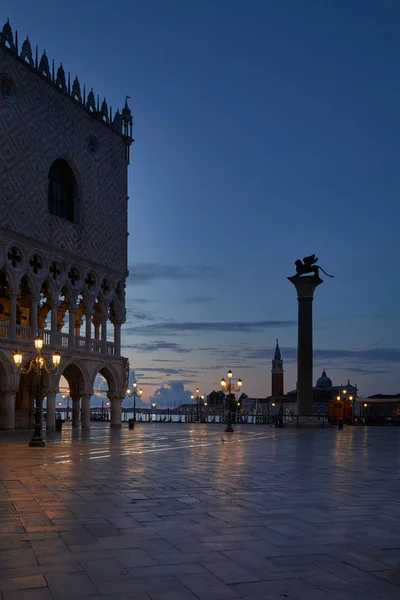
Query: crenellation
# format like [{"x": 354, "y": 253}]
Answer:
[{"x": 62, "y": 84}]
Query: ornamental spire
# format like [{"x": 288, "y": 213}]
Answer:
[{"x": 277, "y": 355}]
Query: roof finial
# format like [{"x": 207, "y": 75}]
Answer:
[{"x": 277, "y": 355}]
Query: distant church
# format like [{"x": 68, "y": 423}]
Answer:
[
  {"x": 324, "y": 393},
  {"x": 64, "y": 159}
]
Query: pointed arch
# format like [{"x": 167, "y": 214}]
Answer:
[
  {"x": 110, "y": 374},
  {"x": 75, "y": 372}
]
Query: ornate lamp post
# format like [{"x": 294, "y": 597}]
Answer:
[
  {"x": 66, "y": 397},
  {"x": 345, "y": 400},
  {"x": 230, "y": 388},
  {"x": 38, "y": 365},
  {"x": 199, "y": 400},
  {"x": 135, "y": 393}
]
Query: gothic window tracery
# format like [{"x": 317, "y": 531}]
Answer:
[{"x": 62, "y": 191}]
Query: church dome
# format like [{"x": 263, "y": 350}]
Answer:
[{"x": 324, "y": 382}]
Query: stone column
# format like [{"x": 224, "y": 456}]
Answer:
[
  {"x": 117, "y": 337},
  {"x": 71, "y": 326},
  {"x": 53, "y": 332},
  {"x": 104, "y": 333},
  {"x": 51, "y": 411},
  {"x": 86, "y": 411},
  {"x": 305, "y": 286},
  {"x": 116, "y": 410},
  {"x": 96, "y": 325},
  {"x": 12, "y": 325},
  {"x": 75, "y": 410},
  {"x": 8, "y": 420},
  {"x": 34, "y": 315},
  {"x": 88, "y": 319}
]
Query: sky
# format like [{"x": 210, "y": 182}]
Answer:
[{"x": 265, "y": 131}]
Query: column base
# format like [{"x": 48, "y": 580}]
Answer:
[
  {"x": 229, "y": 428},
  {"x": 116, "y": 425},
  {"x": 37, "y": 443}
]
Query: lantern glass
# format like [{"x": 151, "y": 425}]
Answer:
[
  {"x": 38, "y": 343},
  {"x": 56, "y": 359},
  {"x": 17, "y": 356}
]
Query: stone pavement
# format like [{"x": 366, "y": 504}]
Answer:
[{"x": 173, "y": 512}]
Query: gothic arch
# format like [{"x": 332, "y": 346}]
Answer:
[
  {"x": 110, "y": 375},
  {"x": 77, "y": 375}
]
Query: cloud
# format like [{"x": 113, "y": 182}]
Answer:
[
  {"x": 156, "y": 346},
  {"x": 141, "y": 273},
  {"x": 367, "y": 371},
  {"x": 171, "y": 328},
  {"x": 373, "y": 355},
  {"x": 167, "y": 371},
  {"x": 199, "y": 300},
  {"x": 171, "y": 394},
  {"x": 168, "y": 360}
]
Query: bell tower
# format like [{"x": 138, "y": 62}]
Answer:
[{"x": 277, "y": 373}]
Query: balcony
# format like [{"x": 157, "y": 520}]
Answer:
[{"x": 23, "y": 334}]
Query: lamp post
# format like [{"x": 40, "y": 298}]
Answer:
[
  {"x": 38, "y": 365},
  {"x": 135, "y": 393},
  {"x": 230, "y": 388},
  {"x": 345, "y": 399},
  {"x": 66, "y": 397},
  {"x": 198, "y": 399}
]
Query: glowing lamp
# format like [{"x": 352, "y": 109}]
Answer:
[
  {"x": 56, "y": 358},
  {"x": 17, "y": 356},
  {"x": 38, "y": 343}
]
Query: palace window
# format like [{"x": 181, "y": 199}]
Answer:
[{"x": 62, "y": 193}]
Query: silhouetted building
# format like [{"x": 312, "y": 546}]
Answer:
[
  {"x": 277, "y": 373},
  {"x": 63, "y": 234}
]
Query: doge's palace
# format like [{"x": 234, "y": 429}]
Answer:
[{"x": 64, "y": 157}]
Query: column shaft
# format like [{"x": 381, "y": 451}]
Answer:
[
  {"x": 117, "y": 338},
  {"x": 104, "y": 334},
  {"x": 116, "y": 412},
  {"x": 34, "y": 316},
  {"x": 12, "y": 325},
  {"x": 88, "y": 319},
  {"x": 53, "y": 333},
  {"x": 51, "y": 411},
  {"x": 75, "y": 411},
  {"x": 305, "y": 357},
  {"x": 71, "y": 327},
  {"x": 8, "y": 421},
  {"x": 86, "y": 411}
]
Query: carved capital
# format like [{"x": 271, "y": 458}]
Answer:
[
  {"x": 305, "y": 285},
  {"x": 115, "y": 397}
]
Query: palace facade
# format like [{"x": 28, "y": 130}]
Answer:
[{"x": 64, "y": 159}]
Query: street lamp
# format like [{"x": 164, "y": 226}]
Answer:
[
  {"x": 346, "y": 400},
  {"x": 66, "y": 397},
  {"x": 135, "y": 393},
  {"x": 37, "y": 365},
  {"x": 199, "y": 400},
  {"x": 230, "y": 388}
]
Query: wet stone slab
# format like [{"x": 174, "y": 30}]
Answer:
[{"x": 170, "y": 511}]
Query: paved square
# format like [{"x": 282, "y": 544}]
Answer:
[{"x": 186, "y": 512}]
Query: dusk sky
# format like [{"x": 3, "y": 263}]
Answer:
[{"x": 265, "y": 131}]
